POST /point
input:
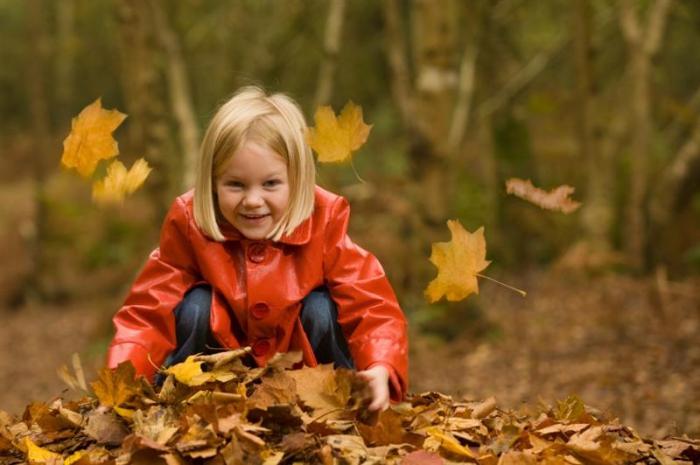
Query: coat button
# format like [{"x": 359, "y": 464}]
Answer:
[
  {"x": 256, "y": 252},
  {"x": 260, "y": 310},
  {"x": 261, "y": 347}
]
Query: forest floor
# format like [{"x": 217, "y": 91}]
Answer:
[{"x": 626, "y": 346}]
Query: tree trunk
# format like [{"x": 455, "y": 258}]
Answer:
[
  {"x": 667, "y": 197},
  {"x": 149, "y": 128},
  {"x": 642, "y": 45},
  {"x": 65, "y": 62},
  {"x": 37, "y": 99},
  {"x": 426, "y": 110},
  {"x": 597, "y": 214},
  {"x": 331, "y": 47},
  {"x": 180, "y": 95}
]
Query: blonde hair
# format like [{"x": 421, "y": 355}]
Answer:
[{"x": 275, "y": 121}]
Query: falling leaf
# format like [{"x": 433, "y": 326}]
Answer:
[
  {"x": 334, "y": 139},
  {"x": 119, "y": 182},
  {"x": 556, "y": 199},
  {"x": 90, "y": 139},
  {"x": 115, "y": 388},
  {"x": 458, "y": 262}
]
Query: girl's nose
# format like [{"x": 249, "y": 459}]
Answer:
[{"x": 252, "y": 200}]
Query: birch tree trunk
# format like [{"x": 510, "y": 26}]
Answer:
[
  {"x": 180, "y": 94},
  {"x": 667, "y": 198},
  {"x": 65, "y": 64},
  {"x": 598, "y": 210},
  {"x": 38, "y": 109},
  {"x": 149, "y": 128},
  {"x": 425, "y": 103},
  {"x": 331, "y": 47},
  {"x": 643, "y": 44}
]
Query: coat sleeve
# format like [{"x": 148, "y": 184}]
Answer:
[
  {"x": 145, "y": 325},
  {"x": 368, "y": 311}
]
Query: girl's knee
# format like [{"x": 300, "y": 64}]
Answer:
[
  {"x": 196, "y": 303},
  {"x": 319, "y": 308}
]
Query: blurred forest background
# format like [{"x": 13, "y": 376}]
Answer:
[{"x": 602, "y": 95}]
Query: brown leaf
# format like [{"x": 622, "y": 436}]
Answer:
[
  {"x": 106, "y": 428},
  {"x": 422, "y": 457},
  {"x": 279, "y": 388},
  {"x": 387, "y": 431},
  {"x": 323, "y": 389},
  {"x": 556, "y": 199}
]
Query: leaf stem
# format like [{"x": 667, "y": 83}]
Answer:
[
  {"x": 520, "y": 291},
  {"x": 352, "y": 164}
]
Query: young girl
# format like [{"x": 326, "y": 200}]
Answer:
[{"x": 258, "y": 255}]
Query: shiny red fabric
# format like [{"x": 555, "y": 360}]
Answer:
[{"x": 257, "y": 291}]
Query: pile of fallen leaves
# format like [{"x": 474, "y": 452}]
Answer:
[{"x": 213, "y": 409}]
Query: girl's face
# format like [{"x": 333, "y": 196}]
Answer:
[{"x": 253, "y": 190}]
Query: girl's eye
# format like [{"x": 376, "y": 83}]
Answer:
[
  {"x": 271, "y": 183},
  {"x": 235, "y": 184}
]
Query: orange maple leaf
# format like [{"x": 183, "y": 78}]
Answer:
[
  {"x": 116, "y": 387},
  {"x": 119, "y": 182},
  {"x": 556, "y": 199},
  {"x": 459, "y": 262},
  {"x": 323, "y": 389},
  {"x": 334, "y": 139},
  {"x": 90, "y": 138}
]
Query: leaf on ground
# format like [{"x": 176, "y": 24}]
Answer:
[
  {"x": 458, "y": 262},
  {"x": 119, "y": 182},
  {"x": 90, "y": 139},
  {"x": 323, "y": 389},
  {"x": 190, "y": 373},
  {"x": 114, "y": 388},
  {"x": 39, "y": 454},
  {"x": 279, "y": 388},
  {"x": 556, "y": 199},
  {"x": 335, "y": 138}
]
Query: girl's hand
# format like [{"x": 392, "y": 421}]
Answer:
[{"x": 377, "y": 379}]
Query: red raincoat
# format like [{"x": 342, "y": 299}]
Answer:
[{"x": 257, "y": 291}]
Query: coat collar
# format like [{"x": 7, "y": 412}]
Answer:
[{"x": 300, "y": 236}]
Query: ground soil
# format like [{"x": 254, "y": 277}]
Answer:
[{"x": 617, "y": 342}]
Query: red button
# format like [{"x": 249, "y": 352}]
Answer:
[
  {"x": 261, "y": 347},
  {"x": 260, "y": 310},
  {"x": 256, "y": 252}
]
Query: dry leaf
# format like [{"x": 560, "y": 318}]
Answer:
[
  {"x": 334, "y": 139},
  {"x": 115, "y": 388},
  {"x": 190, "y": 373},
  {"x": 119, "y": 182},
  {"x": 90, "y": 139},
  {"x": 458, "y": 262},
  {"x": 556, "y": 199},
  {"x": 323, "y": 389}
]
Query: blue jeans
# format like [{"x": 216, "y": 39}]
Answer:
[{"x": 319, "y": 318}]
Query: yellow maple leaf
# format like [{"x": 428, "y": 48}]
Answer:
[
  {"x": 115, "y": 387},
  {"x": 37, "y": 453},
  {"x": 334, "y": 139},
  {"x": 90, "y": 139},
  {"x": 190, "y": 373},
  {"x": 459, "y": 262},
  {"x": 119, "y": 182}
]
